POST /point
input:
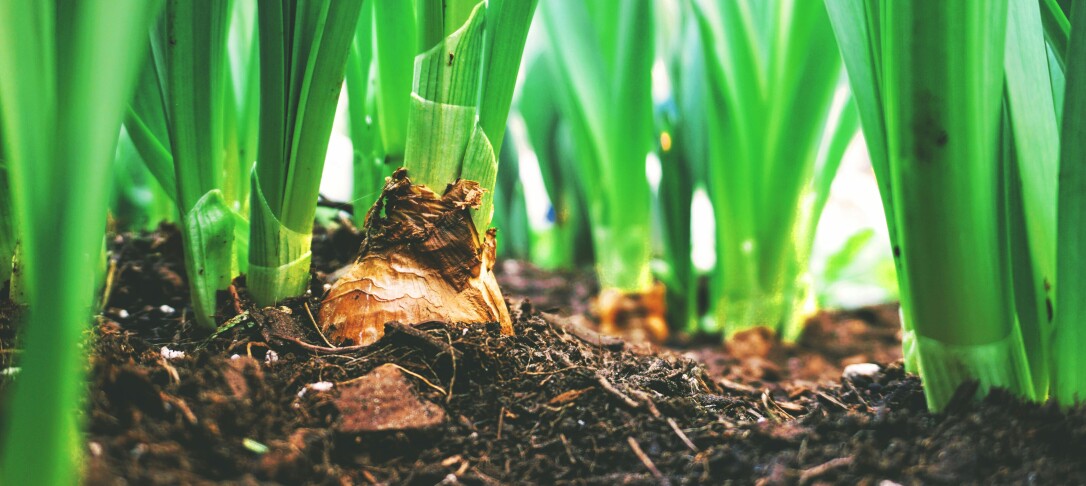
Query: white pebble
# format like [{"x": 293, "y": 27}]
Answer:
[
  {"x": 271, "y": 357},
  {"x": 860, "y": 370},
  {"x": 168, "y": 353},
  {"x": 123, "y": 314},
  {"x": 320, "y": 386},
  {"x": 236, "y": 356},
  {"x": 165, "y": 309},
  {"x": 95, "y": 448},
  {"x": 327, "y": 287}
]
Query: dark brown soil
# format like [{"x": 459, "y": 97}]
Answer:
[{"x": 264, "y": 402}]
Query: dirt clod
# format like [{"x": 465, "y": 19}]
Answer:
[{"x": 384, "y": 400}]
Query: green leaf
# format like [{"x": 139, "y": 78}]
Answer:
[
  {"x": 394, "y": 29},
  {"x": 605, "y": 95},
  {"x": 945, "y": 180},
  {"x": 303, "y": 58},
  {"x": 1069, "y": 372},
  {"x": 845, "y": 256},
  {"x": 507, "y": 31},
  {"x": 1035, "y": 128},
  {"x": 70, "y": 70}
]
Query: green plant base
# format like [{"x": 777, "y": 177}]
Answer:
[
  {"x": 944, "y": 367},
  {"x": 784, "y": 312}
]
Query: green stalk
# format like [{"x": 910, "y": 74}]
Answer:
[
  {"x": 447, "y": 138},
  {"x": 773, "y": 71},
  {"x": 70, "y": 71},
  {"x": 507, "y": 28},
  {"x": 241, "y": 121},
  {"x": 177, "y": 121},
  {"x": 510, "y": 210},
  {"x": 7, "y": 223},
  {"x": 243, "y": 113},
  {"x": 394, "y": 45},
  {"x": 561, "y": 238},
  {"x": 943, "y": 86},
  {"x": 605, "y": 93},
  {"x": 1069, "y": 337},
  {"x": 303, "y": 56},
  {"x": 369, "y": 169},
  {"x": 139, "y": 202},
  {"x": 857, "y": 26},
  {"x": 684, "y": 158},
  {"x": 1034, "y": 126}
]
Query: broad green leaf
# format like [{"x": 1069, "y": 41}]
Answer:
[{"x": 1069, "y": 377}]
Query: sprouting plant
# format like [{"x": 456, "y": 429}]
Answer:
[
  {"x": 775, "y": 132},
  {"x": 303, "y": 55},
  {"x": 963, "y": 125},
  {"x": 427, "y": 253}
]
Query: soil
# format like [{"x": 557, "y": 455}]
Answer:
[{"x": 266, "y": 401}]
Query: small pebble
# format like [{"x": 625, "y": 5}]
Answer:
[
  {"x": 271, "y": 357},
  {"x": 320, "y": 386},
  {"x": 169, "y": 354},
  {"x": 327, "y": 287},
  {"x": 860, "y": 370},
  {"x": 165, "y": 309},
  {"x": 123, "y": 314},
  {"x": 95, "y": 448},
  {"x": 236, "y": 356}
]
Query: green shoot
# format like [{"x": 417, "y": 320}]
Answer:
[
  {"x": 394, "y": 32},
  {"x": 561, "y": 239},
  {"x": 177, "y": 122},
  {"x": 139, "y": 202},
  {"x": 960, "y": 114},
  {"x": 303, "y": 56},
  {"x": 776, "y": 138},
  {"x": 510, "y": 207},
  {"x": 683, "y": 149},
  {"x": 369, "y": 169},
  {"x": 448, "y": 122},
  {"x": 7, "y": 221},
  {"x": 1069, "y": 337},
  {"x": 70, "y": 69},
  {"x": 603, "y": 61}
]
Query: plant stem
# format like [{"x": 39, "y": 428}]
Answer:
[
  {"x": 943, "y": 80},
  {"x": 1069, "y": 337}
]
